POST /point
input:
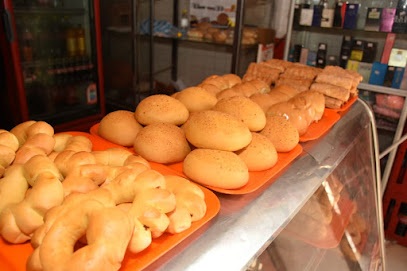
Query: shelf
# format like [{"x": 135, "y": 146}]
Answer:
[
  {"x": 381, "y": 89},
  {"x": 49, "y": 11},
  {"x": 341, "y": 31}
]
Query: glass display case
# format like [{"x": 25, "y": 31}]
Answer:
[
  {"x": 276, "y": 227},
  {"x": 367, "y": 37},
  {"x": 52, "y": 59}
]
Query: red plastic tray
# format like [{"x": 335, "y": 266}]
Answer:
[
  {"x": 317, "y": 129},
  {"x": 335, "y": 229},
  {"x": 14, "y": 257}
]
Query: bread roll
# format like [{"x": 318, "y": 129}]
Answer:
[
  {"x": 332, "y": 91},
  {"x": 299, "y": 117},
  {"x": 260, "y": 86},
  {"x": 212, "y": 89},
  {"x": 229, "y": 92},
  {"x": 119, "y": 127},
  {"x": 216, "y": 80},
  {"x": 162, "y": 143},
  {"x": 260, "y": 154},
  {"x": 216, "y": 168},
  {"x": 217, "y": 130},
  {"x": 161, "y": 108},
  {"x": 263, "y": 100},
  {"x": 317, "y": 101},
  {"x": 281, "y": 133},
  {"x": 244, "y": 110},
  {"x": 232, "y": 79},
  {"x": 290, "y": 91},
  {"x": 196, "y": 99}
]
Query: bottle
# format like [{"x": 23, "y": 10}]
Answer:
[
  {"x": 184, "y": 22},
  {"x": 80, "y": 40},
  {"x": 71, "y": 44},
  {"x": 327, "y": 17},
  {"x": 27, "y": 49}
]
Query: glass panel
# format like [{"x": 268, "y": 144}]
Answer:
[
  {"x": 59, "y": 61},
  {"x": 337, "y": 228}
]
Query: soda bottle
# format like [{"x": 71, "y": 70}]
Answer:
[{"x": 80, "y": 40}]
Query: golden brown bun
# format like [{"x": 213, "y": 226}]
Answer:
[
  {"x": 161, "y": 108},
  {"x": 263, "y": 100},
  {"x": 287, "y": 90},
  {"x": 162, "y": 143},
  {"x": 120, "y": 127},
  {"x": 212, "y": 89},
  {"x": 216, "y": 130},
  {"x": 229, "y": 92},
  {"x": 217, "y": 168},
  {"x": 216, "y": 80},
  {"x": 195, "y": 33},
  {"x": 297, "y": 116},
  {"x": 260, "y": 154},
  {"x": 219, "y": 36},
  {"x": 247, "y": 88},
  {"x": 317, "y": 101},
  {"x": 260, "y": 85},
  {"x": 196, "y": 99},
  {"x": 281, "y": 133},
  {"x": 244, "y": 110},
  {"x": 232, "y": 79}
]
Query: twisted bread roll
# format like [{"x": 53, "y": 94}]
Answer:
[
  {"x": 107, "y": 229},
  {"x": 18, "y": 221},
  {"x": 35, "y": 138},
  {"x": 8, "y": 147},
  {"x": 190, "y": 203}
]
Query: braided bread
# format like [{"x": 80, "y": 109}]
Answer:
[
  {"x": 8, "y": 147},
  {"x": 19, "y": 220},
  {"x": 35, "y": 138}
]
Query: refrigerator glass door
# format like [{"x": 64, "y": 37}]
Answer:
[{"x": 57, "y": 45}]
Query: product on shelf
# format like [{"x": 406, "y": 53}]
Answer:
[
  {"x": 281, "y": 133},
  {"x": 217, "y": 168},
  {"x": 262, "y": 71},
  {"x": 123, "y": 121},
  {"x": 196, "y": 99},
  {"x": 162, "y": 143}
]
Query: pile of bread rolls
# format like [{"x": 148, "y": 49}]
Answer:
[
  {"x": 60, "y": 195},
  {"x": 335, "y": 83},
  {"x": 220, "y": 129}
]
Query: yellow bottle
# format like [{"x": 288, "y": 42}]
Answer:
[
  {"x": 71, "y": 44},
  {"x": 80, "y": 40}
]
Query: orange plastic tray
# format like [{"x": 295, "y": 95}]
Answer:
[
  {"x": 346, "y": 106},
  {"x": 256, "y": 178},
  {"x": 14, "y": 257},
  {"x": 317, "y": 129},
  {"x": 335, "y": 229}
]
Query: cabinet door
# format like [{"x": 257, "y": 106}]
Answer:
[{"x": 56, "y": 60}]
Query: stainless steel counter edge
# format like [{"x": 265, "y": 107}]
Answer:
[{"x": 247, "y": 224}]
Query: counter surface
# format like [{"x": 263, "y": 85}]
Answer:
[{"x": 247, "y": 224}]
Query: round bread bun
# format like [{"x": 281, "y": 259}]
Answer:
[
  {"x": 296, "y": 115},
  {"x": 264, "y": 100},
  {"x": 248, "y": 88},
  {"x": 244, "y": 110},
  {"x": 161, "y": 108},
  {"x": 216, "y": 168},
  {"x": 260, "y": 154},
  {"x": 216, "y": 80},
  {"x": 216, "y": 130},
  {"x": 162, "y": 143},
  {"x": 304, "y": 104},
  {"x": 211, "y": 89},
  {"x": 196, "y": 99},
  {"x": 290, "y": 91},
  {"x": 232, "y": 79},
  {"x": 260, "y": 85},
  {"x": 278, "y": 96},
  {"x": 119, "y": 127},
  {"x": 281, "y": 132},
  {"x": 317, "y": 101},
  {"x": 229, "y": 92}
]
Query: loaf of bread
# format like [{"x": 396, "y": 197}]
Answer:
[
  {"x": 161, "y": 108},
  {"x": 332, "y": 91},
  {"x": 260, "y": 154},
  {"x": 162, "y": 143},
  {"x": 216, "y": 130},
  {"x": 196, "y": 99},
  {"x": 216, "y": 168},
  {"x": 217, "y": 81},
  {"x": 281, "y": 132},
  {"x": 119, "y": 127}
]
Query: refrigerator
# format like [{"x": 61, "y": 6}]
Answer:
[{"x": 51, "y": 63}]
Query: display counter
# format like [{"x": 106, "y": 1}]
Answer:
[{"x": 247, "y": 225}]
